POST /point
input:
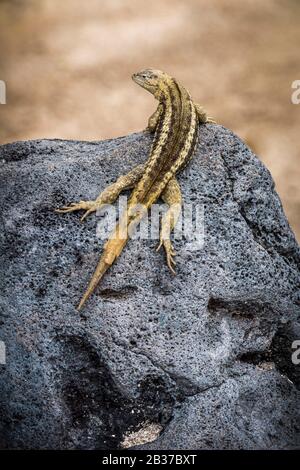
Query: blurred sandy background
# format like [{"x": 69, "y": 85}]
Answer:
[{"x": 67, "y": 65}]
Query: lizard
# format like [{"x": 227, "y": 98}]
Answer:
[{"x": 175, "y": 125}]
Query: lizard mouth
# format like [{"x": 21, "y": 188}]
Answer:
[{"x": 137, "y": 79}]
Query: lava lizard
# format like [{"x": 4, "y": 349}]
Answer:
[{"x": 175, "y": 126}]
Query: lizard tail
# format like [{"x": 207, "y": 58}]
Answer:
[{"x": 112, "y": 249}]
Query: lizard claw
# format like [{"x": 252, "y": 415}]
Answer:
[
  {"x": 159, "y": 246},
  {"x": 65, "y": 209},
  {"x": 210, "y": 120},
  {"x": 170, "y": 253},
  {"x": 88, "y": 212}
]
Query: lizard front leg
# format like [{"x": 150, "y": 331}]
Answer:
[
  {"x": 172, "y": 196},
  {"x": 154, "y": 118},
  {"x": 109, "y": 195},
  {"x": 202, "y": 116}
]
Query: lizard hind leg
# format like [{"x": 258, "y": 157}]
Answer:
[
  {"x": 108, "y": 196},
  {"x": 172, "y": 196}
]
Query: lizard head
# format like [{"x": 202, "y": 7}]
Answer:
[{"x": 151, "y": 80}]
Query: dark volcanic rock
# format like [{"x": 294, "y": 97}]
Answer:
[{"x": 205, "y": 354}]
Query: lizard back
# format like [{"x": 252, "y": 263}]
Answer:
[{"x": 174, "y": 141}]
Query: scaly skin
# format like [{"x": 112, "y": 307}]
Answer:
[{"x": 175, "y": 123}]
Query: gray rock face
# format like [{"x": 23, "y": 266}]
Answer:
[{"x": 206, "y": 354}]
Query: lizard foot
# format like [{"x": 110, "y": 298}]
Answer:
[
  {"x": 210, "y": 120},
  {"x": 170, "y": 253},
  {"x": 88, "y": 206}
]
